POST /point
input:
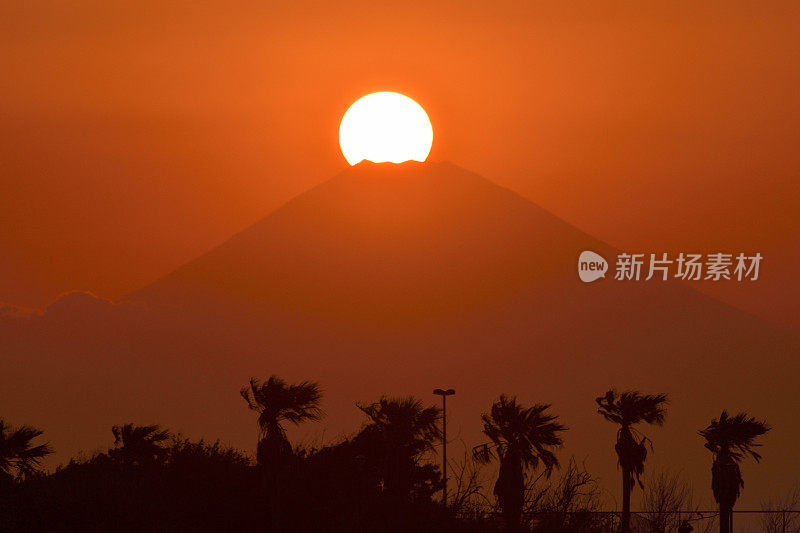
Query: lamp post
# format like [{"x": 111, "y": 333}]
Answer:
[{"x": 444, "y": 394}]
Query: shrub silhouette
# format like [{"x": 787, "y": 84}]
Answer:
[{"x": 381, "y": 478}]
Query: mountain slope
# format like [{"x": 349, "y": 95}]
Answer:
[{"x": 395, "y": 241}]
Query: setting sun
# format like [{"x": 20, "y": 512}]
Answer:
[{"x": 385, "y": 126}]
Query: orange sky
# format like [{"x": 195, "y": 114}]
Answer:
[{"x": 135, "y": 137}]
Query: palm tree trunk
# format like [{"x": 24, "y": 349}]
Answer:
[
  {"x": 725, "y": 522},
  {"x": 625, "y": 519}
]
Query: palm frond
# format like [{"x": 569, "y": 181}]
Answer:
[
  {"x": 734, "y": 436},
  {"x": 483, "y": 453},
  {"x": 276, "y": 401},
  {"x": 527, "y": 433},
  {"x": 404, "y": 422},
  {"x": 18, "y": 456}
]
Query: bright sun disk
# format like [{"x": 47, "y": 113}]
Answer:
[{"x": 385, "y": 126}]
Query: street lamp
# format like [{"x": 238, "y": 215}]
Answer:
[{"x": 444, "y": 394}]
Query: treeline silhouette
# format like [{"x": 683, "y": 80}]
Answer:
[{"x": 382, "y": 478}]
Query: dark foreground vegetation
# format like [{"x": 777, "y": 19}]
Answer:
[{"x": 383, "y": 478}]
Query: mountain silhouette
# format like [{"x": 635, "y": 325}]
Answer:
[
  {"x": 398, "y": 279},
  {"x": 385, "y": 243}
]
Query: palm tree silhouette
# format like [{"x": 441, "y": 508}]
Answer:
[
  {"x": 138, "y": 445},
  {"x": 275, "y": 401},
  {"x": 730, "y": 439},
  {"x": 520, "y": 438},
  {"x": 628, "y": 409},
  {"x": 18, "y": 457},
  {"x": 403, "y": 429}
]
